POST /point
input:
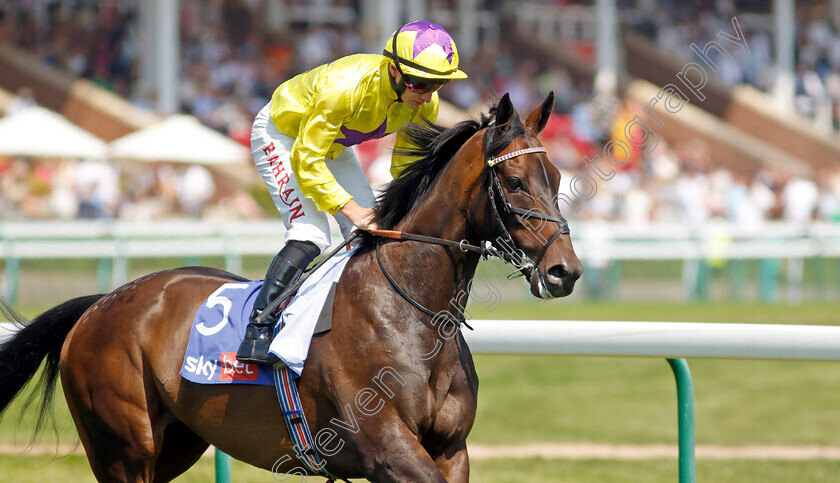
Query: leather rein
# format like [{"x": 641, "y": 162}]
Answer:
[{"x": 500, "y": 209}]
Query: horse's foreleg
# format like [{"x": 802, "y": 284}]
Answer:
[
  {"x": 400, "y": 457},
  {"x": 180, "y": 450},
  {"x": 455, "y": 467}
]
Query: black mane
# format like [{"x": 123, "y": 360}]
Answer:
[{"x": 433, "y": 146}]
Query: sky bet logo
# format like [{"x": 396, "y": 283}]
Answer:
[
  {"x": 232, "y": 370},
  {"x": 200, "y": 367}
]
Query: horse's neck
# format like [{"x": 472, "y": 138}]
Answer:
[
  {"x": 443, "y": 214},
  {"x": 444, "y": 210},
  {"x": 445, "y": 272}
]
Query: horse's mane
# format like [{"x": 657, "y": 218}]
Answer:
[{"x": 433, "y": 146}]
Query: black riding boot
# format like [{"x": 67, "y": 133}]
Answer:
[{"x": 284, "y": 270}]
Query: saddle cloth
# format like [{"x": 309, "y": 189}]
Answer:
[{"x": 219, "y": 326}]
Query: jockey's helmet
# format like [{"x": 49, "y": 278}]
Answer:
[{"x": 424, "y": 50}]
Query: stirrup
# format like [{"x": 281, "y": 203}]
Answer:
[
  {"x": 257, "y": 359},
  {"x": 253, "y": 351},
  {"x": 255, "y": 345}
]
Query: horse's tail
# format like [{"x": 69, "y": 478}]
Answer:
[{"x": 41, "y": 338}]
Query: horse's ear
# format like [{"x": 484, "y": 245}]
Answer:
[
  {"x": 539, "y": 118},
  {"x": 504, "y": 113}
]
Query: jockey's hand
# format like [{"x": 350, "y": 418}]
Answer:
[{"x": 362, "y": 218}]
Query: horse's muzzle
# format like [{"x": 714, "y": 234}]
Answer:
[{"x": 558, "y": 281}]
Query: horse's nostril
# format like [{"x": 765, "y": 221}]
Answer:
[{"x": 558, "y": 271}]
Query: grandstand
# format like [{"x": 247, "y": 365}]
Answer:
[{"x": 757, "y": 140}]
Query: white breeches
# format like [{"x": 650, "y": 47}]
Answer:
[{"x": 271, "y": 151}]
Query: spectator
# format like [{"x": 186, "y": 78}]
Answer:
[
  {"x": 97, "y": 189},
  {"x": 800, "y": 198},
  {"x": 195, "y": 189}
]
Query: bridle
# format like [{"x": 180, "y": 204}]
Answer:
[{"x": 500, "y": 209}]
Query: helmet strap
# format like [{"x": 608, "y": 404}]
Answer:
[{"x": 400, "y": 87}]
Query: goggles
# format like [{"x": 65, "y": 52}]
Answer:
[{"x": 423, "y": 86}]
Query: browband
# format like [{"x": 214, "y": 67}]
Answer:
[{"x": 505, "y": 157}]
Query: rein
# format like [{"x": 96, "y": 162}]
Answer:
[
  {"x": 486, "y": 250},
  {"x": 496, "y": 196},
  {"x": 458, "y": 322}
]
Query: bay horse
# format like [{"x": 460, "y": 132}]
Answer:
[{"x": 389, "y": 395}]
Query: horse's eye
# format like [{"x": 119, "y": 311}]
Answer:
[{"x": 514, "y": 184}]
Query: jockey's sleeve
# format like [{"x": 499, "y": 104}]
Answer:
[
  {"x": 319, "y": 127},
  {"x": 428, "y": 111}
]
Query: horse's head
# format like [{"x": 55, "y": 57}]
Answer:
[
  {"x": 521, "y": 211},
  {"x": 496, "y": 173}
]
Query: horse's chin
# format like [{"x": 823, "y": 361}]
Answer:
[{"x": 542, "y": 288}]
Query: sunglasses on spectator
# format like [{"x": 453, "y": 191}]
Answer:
[{"x": 423, "y": 86}]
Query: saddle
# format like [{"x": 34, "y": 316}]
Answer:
[{"x": 219, "y": 325}]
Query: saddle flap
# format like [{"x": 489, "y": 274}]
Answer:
[{"x": 324, "y": 323}]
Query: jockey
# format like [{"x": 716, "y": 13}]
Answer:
[{"x": 298, "y": 143}]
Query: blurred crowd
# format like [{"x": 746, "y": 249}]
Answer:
[
  {"x": 230, "y": 67},
  {"x": 676, "y": 25},
  {"x": 682, "y": 184},
  {"x": 47, "y": 188}
]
